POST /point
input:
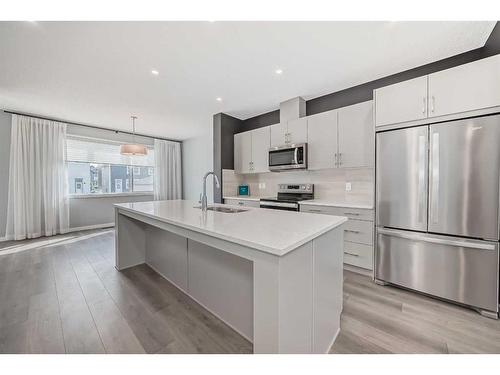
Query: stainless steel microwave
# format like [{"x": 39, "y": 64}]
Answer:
[{"x": 287, "y": 157}]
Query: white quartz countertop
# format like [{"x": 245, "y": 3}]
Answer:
[
  {"x": 272, "y": 231},
  {"x": 243, "y": 197},
  {"x": 322, "y": 202}
]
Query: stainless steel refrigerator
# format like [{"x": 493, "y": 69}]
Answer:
[{"x": 437, "y": 206}]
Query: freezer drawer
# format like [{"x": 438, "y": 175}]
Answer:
[{"x": 464, "y": 271}]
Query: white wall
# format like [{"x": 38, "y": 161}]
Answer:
[
  {"x": 197, "y": 159},
  {"x": 87, "y": 212}
]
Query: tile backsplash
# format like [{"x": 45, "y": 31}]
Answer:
[{"x": 329, "y": 184}]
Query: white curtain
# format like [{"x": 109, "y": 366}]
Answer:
[
  {"x": 37, "y": 201},
  {"x": 168, "y": 178}
]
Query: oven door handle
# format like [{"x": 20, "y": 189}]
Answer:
[
  {"x": 296, "y": 155},
  {"x": 265, "y": 204}
]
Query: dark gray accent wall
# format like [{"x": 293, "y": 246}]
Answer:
[
  {"x": 260, "y": 121},
  {"x": 225, "y": 127}
]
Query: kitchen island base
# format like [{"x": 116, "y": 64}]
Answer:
[{"x": 283, "y": 304}]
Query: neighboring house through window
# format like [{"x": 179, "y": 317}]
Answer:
[{"x": 96, "y": 167}]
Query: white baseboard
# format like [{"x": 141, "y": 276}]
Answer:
[
  {"x": 2, "y": 239},
  {"x": 88, "y": 227}
]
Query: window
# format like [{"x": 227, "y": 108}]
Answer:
[{"x": 97, "y": 167}]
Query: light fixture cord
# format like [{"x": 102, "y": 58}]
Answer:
[{"x": 133, "y": 129}]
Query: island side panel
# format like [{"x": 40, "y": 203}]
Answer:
[
  {"x": 130, "y": 242},
  {"x": 296, "y": 300},
  {"x": 266, "y": 305},
  {"x": 223, "y": 283},
  {"x": 328, "y": 283},
  {"x": 167, "y": 254}
]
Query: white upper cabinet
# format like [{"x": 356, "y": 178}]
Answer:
[
  {"x": 242, "y": 152},
  {"x": 292, "y": 131},
  {"x": 401, "y": 102},
  {"x": 260, "y": 149},
  {"x": 322, "y": 140},
  {"x": 251, "y": 151},
  {"x": 467, "y": 87},
  {"x": 297, "y": 130},
  {"x": 356, "y": 136},
  {"x": 279, "y": 134}
]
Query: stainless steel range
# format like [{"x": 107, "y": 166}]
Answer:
[{"x": 289, "y": 196}]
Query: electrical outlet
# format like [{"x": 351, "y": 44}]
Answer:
[{"x": 348, "y": 186}]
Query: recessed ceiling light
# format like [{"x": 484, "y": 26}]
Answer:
[
  {"x": 219, "y": 99},
  {"x": 279, "y": 71},
  {"x": 155, "y": 72}
]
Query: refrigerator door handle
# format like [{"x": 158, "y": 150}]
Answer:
[
  {"x": 435, "y": 179},
  {"x": 421, "y": 178},
  {"x": 440, "y": 241}
]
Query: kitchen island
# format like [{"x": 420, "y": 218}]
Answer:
[{"x": 274, "y": 276}]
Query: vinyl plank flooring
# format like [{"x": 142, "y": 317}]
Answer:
[
  {"x": 79, "y": 330},
  {"x": 116, "y": 334},
  {"x": 44, "y": 325},
  {"x": 63, "y": 294}
]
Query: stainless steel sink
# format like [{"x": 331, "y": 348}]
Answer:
[{"x": 228, "y": 210}]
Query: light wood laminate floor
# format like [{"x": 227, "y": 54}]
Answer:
[{"x": 63, "y": 295}]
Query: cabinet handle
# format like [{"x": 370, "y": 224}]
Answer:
[
  {"x": 433, "y": 104},
  {"x": 340, "y": 159},
  {"x": 351, "y": 254},
  {"x": 313, "y": 210},
  {"x": 336, "y": 160},
  {"x": 351, "y": 213},
  {"x": 351, "y": 231},
  {"x": 241, "y": 203},
  {"x": 423, "y": 106}
]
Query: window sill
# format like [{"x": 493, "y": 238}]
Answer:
[{"x": 109, "y": 195}]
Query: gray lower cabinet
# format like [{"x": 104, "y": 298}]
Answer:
[
  {"x": 358, "y": 232},
  {"x": 242, "y": 202}
]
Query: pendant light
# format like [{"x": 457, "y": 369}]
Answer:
[{"x": 134, "y": 148}]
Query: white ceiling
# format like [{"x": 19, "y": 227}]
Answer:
[{"x": 100, "y": 72}]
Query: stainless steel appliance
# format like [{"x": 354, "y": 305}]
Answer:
[
  {"x": 289, "y": 196},
  {"x": 287, "y": 157},
  {"x": 437, "y": 204}
]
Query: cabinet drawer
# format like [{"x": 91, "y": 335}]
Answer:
[
  {"x": 358, "y": 255},
  {"x": 359, "y": 231},
  {"x": 351, "y": 213},
  {"x": 237, "y": 202}
]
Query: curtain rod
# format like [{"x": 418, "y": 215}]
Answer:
[{"x": 87, "y": 125}]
